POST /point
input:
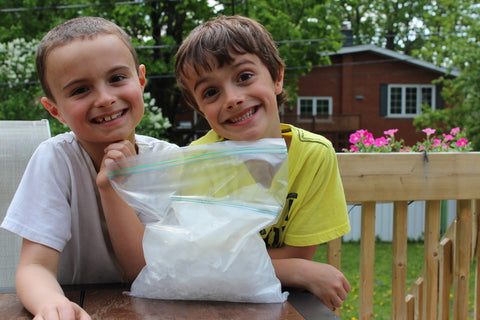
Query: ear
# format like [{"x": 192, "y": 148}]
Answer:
[
  {"x": 52, "y": 109},
  {"x": 141, "y": 76},
  {"x": 279, "y": 82}
]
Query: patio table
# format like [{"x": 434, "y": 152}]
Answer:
[{"x": 109, "y": 302}]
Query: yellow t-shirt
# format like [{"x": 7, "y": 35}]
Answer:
[{"x": 315, "y": 210}]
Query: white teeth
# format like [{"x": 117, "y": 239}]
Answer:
[
  {"x": 109, "y": 118},
  {"x": 245, "y": 116}
]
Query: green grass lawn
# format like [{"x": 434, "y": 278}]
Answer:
[{"x": 383, "y": 275}]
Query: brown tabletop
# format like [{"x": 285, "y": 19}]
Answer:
[{"x": 111, "y": 303}]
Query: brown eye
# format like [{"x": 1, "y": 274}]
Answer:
[
  {"x": 210, "y": 93},
  {"x": 78, "y": 91},
  {"x": 245, "y": 77},
  {"x": 117, "y": 78}
]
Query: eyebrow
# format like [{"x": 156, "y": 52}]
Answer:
[{"x": 234, "y": 65}]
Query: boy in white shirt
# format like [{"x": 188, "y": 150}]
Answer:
[{"x": 92, "y": 82}]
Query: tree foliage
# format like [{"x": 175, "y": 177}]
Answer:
[
  {"x": 455, "y": 44},
  {"x": 395, "y": 25}
]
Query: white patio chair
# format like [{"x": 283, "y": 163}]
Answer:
[{"x": 18, "y": 141}]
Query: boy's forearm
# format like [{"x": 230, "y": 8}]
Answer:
[
  {"x": 287, "y": 251},
  {"x": 126, "y": 232},
  {"x": 37, "y": 287},
  {"x": 290, "y": 264},
  {"x": 290, "y": 272}
]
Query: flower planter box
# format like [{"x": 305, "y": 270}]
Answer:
[{"x": 410, "y": 176}]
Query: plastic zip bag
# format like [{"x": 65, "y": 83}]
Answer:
[{"x": 208, "y": 204}]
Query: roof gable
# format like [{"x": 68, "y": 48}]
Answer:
[{"x": 395, "y": 55}]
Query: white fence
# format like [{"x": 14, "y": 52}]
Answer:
[{"x": 384, "y": 220}]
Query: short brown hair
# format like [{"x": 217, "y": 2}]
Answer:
[
  {"x": 214, "y": 42},
  {"x": 73, "y": 29}
]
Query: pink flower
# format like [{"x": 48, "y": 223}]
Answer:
[
  {"x": 355, "y": 137},
  {"x": 454, "y": 131},
  {"x": 462, "y": 142},
  {"x": 364, "y": 141},
  {"x": 363, "y": 133},
  {"x": 390, "y": 132},
  {"x": 448, "y": 137},
  {"x": 429, "y": 131},
  {"x": 368, "y": 141},
  {"x": 368, "y": 135},
  {"x": 380, "y": 142}
]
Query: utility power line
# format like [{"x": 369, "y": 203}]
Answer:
[{"x": 78, "y": 6}]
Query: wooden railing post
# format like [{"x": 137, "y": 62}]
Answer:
[
  {"x": 334, "y": 257},
  {"x": 399, "y": 260},
  {"x": 430, "y": 261},
  {"x": 367, "y": 260},
  {"x": 334, "y": 253},
  {"x": 476, "y": 216},
  {"x": 461, "y": 269},
  {"x": 419, "y": 298},
  {"x": 445, "y": 277},
  {"x": 410, "y": 303}
]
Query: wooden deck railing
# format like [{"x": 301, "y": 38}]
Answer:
[{"x": 441, "y": 290}]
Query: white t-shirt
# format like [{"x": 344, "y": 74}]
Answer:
[{"x": 57, "y": 204}]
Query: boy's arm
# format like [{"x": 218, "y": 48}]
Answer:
[
  {"x": 126, "y": 232},
  {"x": 124, "y": 227},
  {"x": 38, "y": 288},
  {"x": 294, "y": 268}
]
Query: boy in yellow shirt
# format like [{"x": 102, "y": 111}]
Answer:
[{"x": 230, "y": 71}]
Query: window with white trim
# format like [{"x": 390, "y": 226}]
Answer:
[
  {"x": 314, "y": 106},
  {"x": 406, "y": 100}
]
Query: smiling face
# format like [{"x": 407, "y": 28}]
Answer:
[
  {"x": 239, "y": 100},
  {"x": 97, "y": 90}
]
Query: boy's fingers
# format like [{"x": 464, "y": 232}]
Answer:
[
  {"x": 67, "y": 312},
  {"x": 342, "y": 295},
  {"x": 348, "y": 287},
  {"x": 114, "y": 154},
  {"x": 110, "y": 164},
  {"x": 124, "y": 146}
]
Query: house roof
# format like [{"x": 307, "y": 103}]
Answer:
[{"x": 395, "y": 55}]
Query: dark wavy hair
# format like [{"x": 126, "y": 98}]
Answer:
[{"x": 213, "y": 43}]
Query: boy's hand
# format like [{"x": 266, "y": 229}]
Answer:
[
  {"x": 66, "y": 310},
  {"x": 327, "y": 283},
  {"x": 113, "y": 153},
  {"x": 324, "y": 281},
  {"x": 38, "y": 288}
]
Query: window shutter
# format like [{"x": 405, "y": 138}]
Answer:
[
  {"x": 383, "y": 99},
  {"x": 438, "y": 97}
]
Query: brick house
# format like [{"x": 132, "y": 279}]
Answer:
[{"x": 366, "y": 87}]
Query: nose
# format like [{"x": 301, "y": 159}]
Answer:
[
  {"x": 234, "y": 97},
  {"x": 105, "y": 98}
]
